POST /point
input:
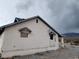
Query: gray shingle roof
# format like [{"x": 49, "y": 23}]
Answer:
[{"x": 2, "y": 28}]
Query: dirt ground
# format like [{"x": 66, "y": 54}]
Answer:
[
  {"x": 67, "y": 53},
  {"x": 62, "y": 53}
]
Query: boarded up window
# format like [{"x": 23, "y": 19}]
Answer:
[{"x": 24, "y": 32}]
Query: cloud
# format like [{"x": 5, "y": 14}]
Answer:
[
  {"x": 67, "y": 13},
  {"x": 63, "y": 15},
  {"x": 24, "y": 5}
]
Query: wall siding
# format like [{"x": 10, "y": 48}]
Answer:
[{"x": 37, "y": 41}]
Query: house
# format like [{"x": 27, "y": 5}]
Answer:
[{"x": 27, "y": 36}]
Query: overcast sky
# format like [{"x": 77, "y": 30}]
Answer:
[{"x": 63, "y": 15}]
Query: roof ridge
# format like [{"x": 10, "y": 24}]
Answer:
[
  {"x": 20, "y": 21},
  {"x": 28, "y": 19}
]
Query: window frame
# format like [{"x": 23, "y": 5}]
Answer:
[
  {"x": 24, "y": 32},
  {"x": 51, "y": 35},
  {"x": 36, "y": 20}
]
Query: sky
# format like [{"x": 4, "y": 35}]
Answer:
[{"x": 62, "y": 15}]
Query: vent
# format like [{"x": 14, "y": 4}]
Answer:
[{"x": 18, "y": 19}]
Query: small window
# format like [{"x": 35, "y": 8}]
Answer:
[
  {"x": 51, "y": 35},
  {"x": 24, "y": 32},
  {"x": 36, "y": 20}
]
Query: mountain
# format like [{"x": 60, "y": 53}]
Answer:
[{"x": 71, "y": 34}]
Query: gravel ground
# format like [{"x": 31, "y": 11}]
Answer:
[{"x": 69, "y": 52}]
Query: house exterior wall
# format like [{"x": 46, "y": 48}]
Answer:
[
  {"x": 1, "y": 41},
  {"x": 37, "y": 41}
]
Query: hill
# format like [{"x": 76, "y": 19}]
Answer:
[{"x": 71, "y": 34}]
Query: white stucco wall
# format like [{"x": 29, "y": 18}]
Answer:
[
  {"x": 37, "y": 41},
  {"x": 1, "y": 41}
]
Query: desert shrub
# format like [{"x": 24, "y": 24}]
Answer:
[{"x": 76, "y": 42}]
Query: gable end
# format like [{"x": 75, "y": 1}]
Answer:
[{"x": 18, "y": 21}]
